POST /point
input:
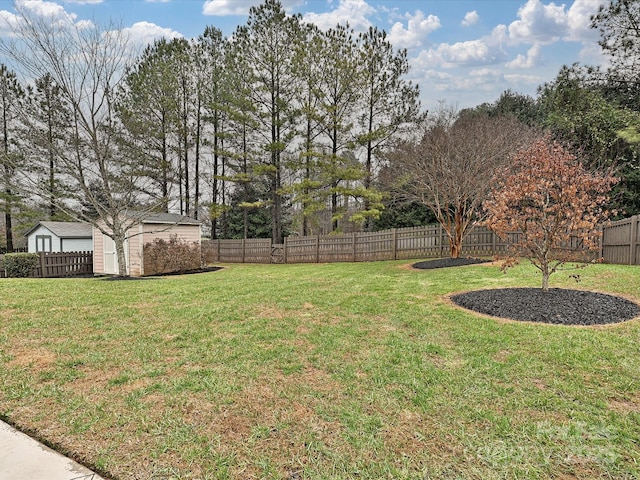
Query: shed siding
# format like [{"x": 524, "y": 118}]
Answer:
[
  {"x": 98, "y": 252},
  {"x": 42, "y": 231},
  {"x": 187, "y": 233},
  {"x": 135, "y": 252},
  {"x": 76, "y": 245}
]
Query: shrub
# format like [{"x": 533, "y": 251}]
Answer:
[
  {"x": 173, "y": 256},
  {"x": 19, "y": 265}
]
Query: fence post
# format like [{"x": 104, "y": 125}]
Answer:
[
  {"x": 633, "y": 239},
  {"x": 43, "y": 265},
  {"x": 394, "y": 236},
  {"x": 317, "y": 248},
  {"x": 218, "y": 250},
  {"x": 244, "y": 241},
  {"x": 354, "y": 246},
  {"x": 602, "y": 230},
  {"x": 285, "y": 250},
  {"x": 493, "y": 243},
  {"x": 440, "y": 238}
]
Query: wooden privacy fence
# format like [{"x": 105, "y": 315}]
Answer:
[
  {"x": 621, "y": 242},
  {"x": 65, "y": 264},
  {"x": 394, "y": 244}
]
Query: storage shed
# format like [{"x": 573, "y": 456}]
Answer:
[
  {"x": 59, "y": 237},
  {"x": 146, "y": 228}
]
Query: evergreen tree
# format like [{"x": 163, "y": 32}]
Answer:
[
  {"x": 618, "y": 22},
  {"x": 148, "y": 108},
  {"x": 388, "y": 102},
  {"x": 50, "y": 116},
  {"x": 12, "y": 98},
  {"x": 266, "y": 45}
]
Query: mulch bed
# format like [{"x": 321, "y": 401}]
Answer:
[
  {"x": 156, "y": 275},
  {"x": 448, "y": 262},
  {"x": 558, "y": 306}
]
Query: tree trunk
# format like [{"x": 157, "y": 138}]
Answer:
[
  {"x": 455, "y": 248},
  {"x": 52, "y": 179},
  {"x": 196, "y": 174},
  {"x": 545, "y": 275},
  {"x": 165, "y": 165},
  {"x": 455, "y": 240},
  {"x": 8, "y": 222},
  {"x": 122, "y": 257},
  {"x": 334, "y": 208}
]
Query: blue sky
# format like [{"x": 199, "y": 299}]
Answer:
[{"x": 461, "y": 52}]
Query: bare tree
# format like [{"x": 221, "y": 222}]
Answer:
[
  {"x": 86, "y": 61},
  {"x": 450, "y": 166}
]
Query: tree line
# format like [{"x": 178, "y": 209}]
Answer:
[{"x": 281, "y": 128}]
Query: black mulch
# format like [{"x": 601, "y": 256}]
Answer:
[
  {"x": 448, "y": 262},
  {"x": 558, "y": 306},
  {"x": 151, "y": 277}
]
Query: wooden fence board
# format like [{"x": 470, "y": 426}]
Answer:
[
  {"x": 621, "y": 241},
  {"x": 620, "y": 244},
  {"x": 401, "y": 243},
  {"x": 61, "y": 264}
]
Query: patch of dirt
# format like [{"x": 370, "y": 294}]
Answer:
[
  {"x": 39, "y": 358},
  {"x": 449, "y": 262},
  {"x": 626, "y": 406},
  {"x": 557, "y": 306}
]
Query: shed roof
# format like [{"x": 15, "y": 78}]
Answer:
[
  {"x": 171, "y": 218},
  {"x": 64, "y": 229}
]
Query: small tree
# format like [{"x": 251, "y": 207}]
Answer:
[{"x": 545, "y": 200}]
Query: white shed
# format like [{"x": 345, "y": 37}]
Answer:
[{"x": 60, "y": 237}]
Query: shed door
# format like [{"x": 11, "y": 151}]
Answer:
[{"x": 111, "y": 256}]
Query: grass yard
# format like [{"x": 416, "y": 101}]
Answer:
[{"x": 324, "y": 371}]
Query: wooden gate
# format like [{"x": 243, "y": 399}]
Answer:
[{"x": 277, "y": 253}]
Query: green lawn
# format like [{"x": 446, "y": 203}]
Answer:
[{"x": 319, "y": 371}]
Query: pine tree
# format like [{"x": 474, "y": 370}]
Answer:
[{"x": 12, "y": 98}]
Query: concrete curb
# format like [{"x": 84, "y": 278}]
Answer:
[{"x": 23, "y": 458}]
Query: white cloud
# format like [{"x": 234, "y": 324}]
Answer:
[
  {"x": 473, "y": 52},
  {"x": 579, "y": 19},
  {"x": 42, "y": 8},
  {"x": 484, "y": 51},
  {"x": 531, "y": 60},
  {"x": 546, "y": 24},
  {"x": 524, "y": 80},
  {"x": 222, "y": 8},
  {"x": 353, "y": 11},
  {"x": 592, "y": 54},
  {"x": 52, "y": 12},
  {"x": 8, "y": 23},
  {"x": 483, "y": 80},
  {"x": 471, "y": 18},
  {"x": 227, "y": 7},
  {"x": 144, "y": 33},
  {"x": 539, "y": 23},
  {"x": 417, "y": 31}
]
